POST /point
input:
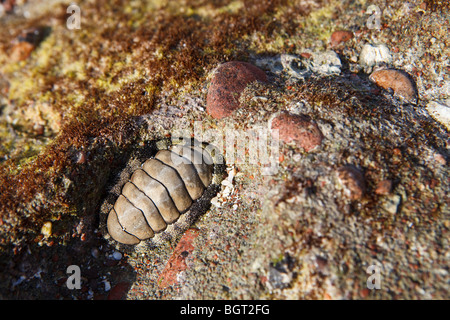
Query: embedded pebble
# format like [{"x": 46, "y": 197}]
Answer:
[
  {"x": 391, "y": 203},
  {"x": 440, "y": 159},
  {"x": 95, "y": 253},
  {"x": 326, "y": 63},
  {"x": 227, "y": 183},
  {"x": 117, "y": 255},
  {"x": 27, "y": 42},
  {"x": 227, "y": 191},
  {"x": 374, "y": 55},
  {"x": 107, "y": 285},
  {"x": 439, "y": 112},
  {"x": 38, "y": 129},
  {"x": 229, "y": 80},
  {"x": 21, "y": 51},
  {"x": 340, "y": 36},
  {"x": 215, "y": 202},
  {"x": 297, "y": 128},
  {"x": 177, "y": 261},
  {"x": 81, "y": 157},
  {"x": 353, "y": 181},
  {"x": 384, "y": 187},
  {"x": 400, "y": 82},
  {"x": 46, "y": 229}
]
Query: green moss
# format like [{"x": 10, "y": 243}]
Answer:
[
  {"x": 234, "y": 7},
  {"x": 318, "y": 23},
  {"x": 278, "y": 259}
]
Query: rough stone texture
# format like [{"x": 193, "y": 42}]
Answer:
[
  {"x": 139, "y": 71},
  {"x": 298, "y": 129},
  {"x": 227, "y": 84}
]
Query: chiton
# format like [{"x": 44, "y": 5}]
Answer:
[{"x": 163, "y": 195}]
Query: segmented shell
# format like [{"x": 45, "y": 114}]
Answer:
[{"x": 159, "y": 192}]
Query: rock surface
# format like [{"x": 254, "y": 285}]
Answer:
[{"x": 74, "y": 112}]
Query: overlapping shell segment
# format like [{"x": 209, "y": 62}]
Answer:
[{"x": 161, "y": 190}]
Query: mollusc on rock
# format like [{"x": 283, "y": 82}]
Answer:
[{"x": 84, "y": 102}]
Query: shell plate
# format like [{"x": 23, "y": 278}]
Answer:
[{"x": 160, "y": 198}]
